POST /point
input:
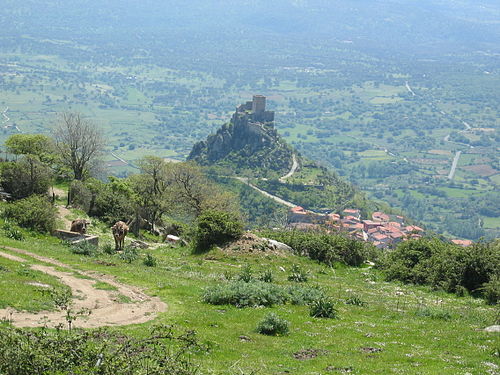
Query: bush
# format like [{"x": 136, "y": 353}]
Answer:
[
  {"x": 301, "y": 295},
  {"x": 446, "y": 266},
  {"x": 129, "y": 254},
  {"x": 149, "y": 261},
  {"x": 258, "y": 293},
  {"x": 246, "y": 274},
  {"x": 324, "y": 247},
  {"x": 355, "y": 300},
  {"x": 266, "y": 276},
  {"x": 108, "y": 249},
  {"x": 25, "y": 177},
  {"x": 84, "y": 248},
  {"x": 51, "y": 352},
  {"x": 216, "y": 228},
  {"x": 245, "y": 294},
  {"x": 273, "y": 325},
  {"x": 491, "y": 290},
  {"x": 13, "y": 231},
  {"x": 34, "y": 212},
  {"x": 298, "y": 275},
  {"x": 323, "y": 308}
]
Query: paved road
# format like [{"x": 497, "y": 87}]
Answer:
[
  {"x": 295, "y": 165},
  {"x": 274, "y": 197},
  {"x": 454, "y": 165}
]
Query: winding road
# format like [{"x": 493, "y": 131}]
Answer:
[{"x": 295, "y": 165}]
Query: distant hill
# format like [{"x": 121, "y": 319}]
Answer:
[
  {"x": 250, "y": 146},
  {"x": 248, "y": 143}
]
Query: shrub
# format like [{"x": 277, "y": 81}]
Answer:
[
  {"x": 149, "y": 261},
  {"x": 108, "y": 249},
  {"x": 258, "y": 293},
  {"x": 453, "y": 268},
  {"x": 28, "y": 352},
  {"x": 323, "y": 308},
  {"x": 34, "y": 212},
  {"x": 491, "y": 290},
  {"x": 298, "y": 275},
  {"x": 273, "y": 325},
  {"x": 129, "y": 254},
  {"x": 355, "y": 300},
  {"x": 243, "y": 294},
  {"x": 301, "y": 295},
  {"x": 266, "y": 276},
  {"x": 12, "y": 231},
  {"x": 324, "y": 247},
  {"x": 25, "y": 177},
  {"x": 84, "y": 248},
  {"x": 216, "y": 228},
  {"x": 246, "y": 274}
]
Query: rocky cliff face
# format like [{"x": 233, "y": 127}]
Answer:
[{"x": 248, "y": 142}]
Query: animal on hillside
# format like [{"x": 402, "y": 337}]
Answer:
[
  {"x": 79, "y": 226},
  {"x": 120, "y": 230}
]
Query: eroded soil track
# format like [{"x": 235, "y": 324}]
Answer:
[{"x": 122, "y": 306}]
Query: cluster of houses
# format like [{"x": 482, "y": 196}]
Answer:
[{"x": 382, "y": 230}]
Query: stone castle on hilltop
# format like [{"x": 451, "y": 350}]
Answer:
[
  {"x": 256, "y": 111},
  {"x": 248, "y": 141}
]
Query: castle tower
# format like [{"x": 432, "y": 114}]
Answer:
[{"x": 258, "y": 104}]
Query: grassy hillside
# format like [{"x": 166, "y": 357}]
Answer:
[{"x": 386, "y": 328}]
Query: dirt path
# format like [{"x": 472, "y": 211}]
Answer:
[{"x": 104, "y": 305}]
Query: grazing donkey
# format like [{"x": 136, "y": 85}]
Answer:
[{"x": 120, "y": 230}]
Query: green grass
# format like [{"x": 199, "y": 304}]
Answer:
[
  {"x": 104, "y": 286},
  {"x": 411, "y": 342},
  {"x": 22, "y": 288}
]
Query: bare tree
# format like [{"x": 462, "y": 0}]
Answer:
[{"x": 79, "y": 142}]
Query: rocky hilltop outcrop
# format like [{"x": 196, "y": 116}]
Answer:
[{"x": 248, "y": 142}]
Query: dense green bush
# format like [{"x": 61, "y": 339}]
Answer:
[
  {"x": 323, "y": 308},
  {"x": 259, "y": 293},
  {"x": 246, "y": 274},
  {"x": 245, "y": 294},
  {"x": 129, "y": 254},
  {"x": 445, "y": 266},
  {"x": 324, "y": 247},
  {"x": 34, "y": 212},
  {"x": 303, "y": 295},
  {"x": 149, "y": 261},
  {"x": 216, "y": 228},
  {"x": 25, "y": 177},
  {"x": 84, "y": 248},
  {"x": 273, "y": 325},
  {"x": 56, "y": 352}
]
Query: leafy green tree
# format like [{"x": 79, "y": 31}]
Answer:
[
  {"x": 39, "y": 145},
  {"x": 216, "y": 228},
  {"x": 25, "y": 177}
]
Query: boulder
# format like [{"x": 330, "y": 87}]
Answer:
[
  {"x": 276, "y": 245},
  {"x": 139, "y": 244},
  {"x": 492, "y": 329}
]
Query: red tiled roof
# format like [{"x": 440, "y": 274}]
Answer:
[
  {"x": 463, "y": 243},
  {"x": 411, "y": 228}
]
